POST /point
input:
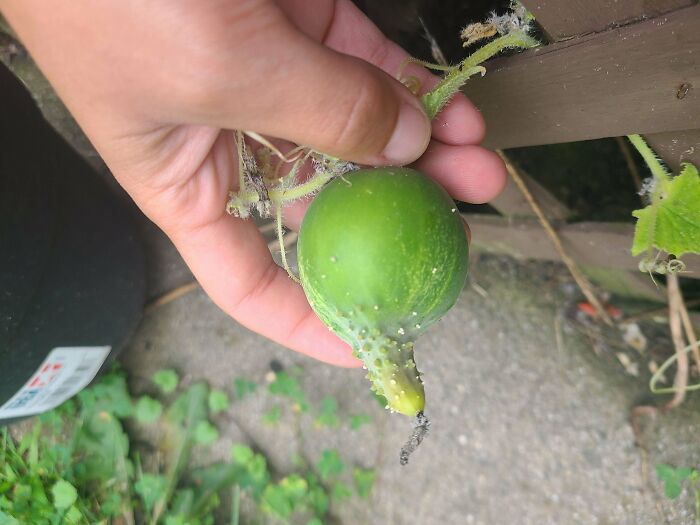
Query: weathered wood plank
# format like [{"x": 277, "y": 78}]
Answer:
[
  {"x": 588, "y": 243},
  {"x": 676, "y": 148},
  {"x": 566, "y": 18},
  {"x": 623, "y": 81},
  {"x": 512, "y": 203}
]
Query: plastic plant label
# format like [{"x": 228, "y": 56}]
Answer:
[{"x": 64, "y": 373}]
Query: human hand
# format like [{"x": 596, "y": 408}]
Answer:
[{"x": 158, "y": 86}]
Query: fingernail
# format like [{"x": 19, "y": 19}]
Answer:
[{"x": 411, "y": 136}]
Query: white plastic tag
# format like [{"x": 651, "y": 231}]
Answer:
[{"x": 64, "y": 373}]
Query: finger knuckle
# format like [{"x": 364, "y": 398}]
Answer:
[{"x": 363, "y": 125}]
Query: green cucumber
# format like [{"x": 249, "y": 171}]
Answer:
[{"x": 383, "y": 254}]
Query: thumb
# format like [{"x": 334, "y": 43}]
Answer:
[{"x": 331, "y": 102}]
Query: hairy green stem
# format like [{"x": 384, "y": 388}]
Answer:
[
  {"x": 435, "y": 100},
  {"x": 657, "y": 170},
  {"x": 280, "y": 239},
  {"x": 661, "y": 182},
  {"x": 291, "y": 194}
]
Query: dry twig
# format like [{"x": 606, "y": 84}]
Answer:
[
  {"x": 675, "y": 305},
  {"x": 629, "y": 159},
  {"x": 580, "y": 279},
  {"x": 170, "y": 296}
]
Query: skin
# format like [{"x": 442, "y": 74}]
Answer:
[{"x": 158, "y": 86}]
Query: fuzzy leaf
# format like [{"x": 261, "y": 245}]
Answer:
[
  {"x": 64, "y": 494},
  {"x": 328, "y": 416},
  {"x": 364, "y": 480},
  {"x": 147, "y": 409},
  {"x": 218, "y": 401},
  {"x": 330, "y": 464},
  {"x": 205, "y": 433},
  {"x": 672, "y": 224},
  {"x": 151, "y": 488},
  {"x": 166, "y": 380},
  {"x": 272, "y": 416},
  {"x": 286, "y": 385},
  {"x": 672, "y": 479},
  {"x": 357, "y": 421},
  {"x": 243, "y": 387}
]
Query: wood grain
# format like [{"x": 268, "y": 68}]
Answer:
[
  {"x": 615, "y": 83},
  {"x": 566, "y": 18},
  {"x": 588, "y": 243}
]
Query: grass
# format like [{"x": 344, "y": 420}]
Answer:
[{"x": 81, "y": 463}]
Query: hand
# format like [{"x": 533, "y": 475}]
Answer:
[{"x": 158, "y": 86}]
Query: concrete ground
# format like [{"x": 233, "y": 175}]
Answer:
[{"x": 529, "y": 424}]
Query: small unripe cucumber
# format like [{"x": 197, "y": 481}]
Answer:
[{"x": 383, "y": 254}]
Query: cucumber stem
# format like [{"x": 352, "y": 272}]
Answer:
[
  {"x": 661, "y": 181},
  {"x": 437, "y": 99}
]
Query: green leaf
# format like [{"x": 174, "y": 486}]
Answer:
[
  {"x": 151, "y": 487},
  {"x": 109, "y": 394},
  {"x": 328, "y": 416},
  {"x": 314, "y": 521},
  {"x": 672, "y": 479},
  {"x": 218, "y": 401},
  {"x": 176, "y": 520},
  {"x": 74, "y": 517},
  {"x": 147, "y": 409},
  {"x": 166, "y": 380},
  {"x": 275, "y": 501},
  {"x": 242, "y": 454},
  {"x": 255, "y": 476},
  {"x": 665, "y": 472},
  {"x": 340, "y": 491},
  {"x": 243, "y": 387},
  {"x": 295, "y": 488},
  {"x": 318, "y": 499},
  {"x": 672, "y": 221},
  {"x": 357, "y": 421},
  {"x": 272, "y": 416},
  {"x": 364, "y": 481},
  {"x": 6, "y": 519},
  {"x": 286, "y": 385},
  {"x": 205, "y": 433},
  {"x": 64, "y": 494},
  {"x": 209, "y": 481},
  {"x": 190, "y": 406},
  {"x": 330, "y": 464}
]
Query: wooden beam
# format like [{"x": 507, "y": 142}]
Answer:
[
  {"x": 626, "y": 80},
  {"x": 676, "y": 148},
  {"x": 563, "y": 19},
  {"x": 588, "y": 243},
  {"x": 512, "y": 203}
]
